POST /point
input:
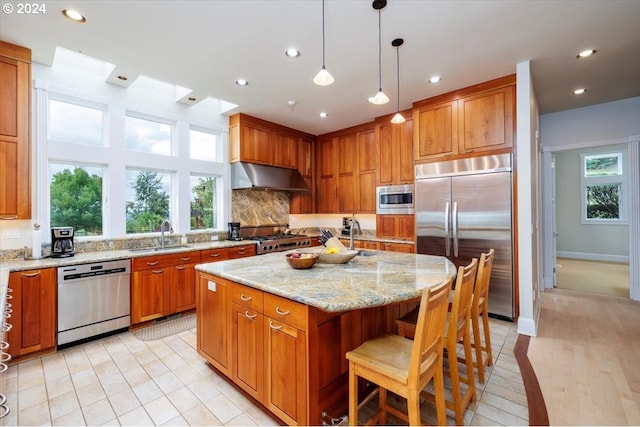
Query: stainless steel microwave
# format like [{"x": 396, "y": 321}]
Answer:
[{"x": 395, "y": 199}]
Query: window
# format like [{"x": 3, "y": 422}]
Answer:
[
  {"x": 75, "y": 123},
  {"x": 603, "y": 182},
  {"x": 147, "y": 136},
  {"x": 76, "y": 198},
  {"x": 202, "y": 145},
  {"x": 203, "y": 201},
  {"x": 148, "y": 198}
]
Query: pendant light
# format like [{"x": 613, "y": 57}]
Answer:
[
  {"x": 323, "y": 78},
  {"x": 380, "y": 98},
  {"x": 398, "y": 118}
]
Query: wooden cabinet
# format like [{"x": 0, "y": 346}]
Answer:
[
  {"x": 474, "y": 120},
  {"x": 162, "y": 285},
  {"x": 213, "y": 322},
  {"x": 398, "y": 247},
  {"x": 302, "y": 202},
  {"x": 34, "y": 311},
  {"x": 247, "y": 338},
  {"x": 241, "y": 251},
  {"x": 395, "y": 227},
  {"x": 395, "y": 151},
  {"x": 346, "y": 171},
  {"x": 285, "y": 150},
  {"x": 15, "y": 112}
]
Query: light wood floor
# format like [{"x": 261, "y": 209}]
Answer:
[
  {"x": 587, "y": 358},
  {"x": 606, "y": 278}
]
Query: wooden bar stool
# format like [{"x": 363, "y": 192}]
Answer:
[
  {"x": 480, "y": 307},
  {"x": 403, "y": 366}
]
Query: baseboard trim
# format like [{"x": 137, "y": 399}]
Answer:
[
  {"x": 526, "y": 326},
  {"x": 592, "y": 257},
  {"x": 538, "y": 415}
]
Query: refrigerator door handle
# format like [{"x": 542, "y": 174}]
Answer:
[
  {"x": 447, "y": 233},
  {"x": 454, "y": 226}
]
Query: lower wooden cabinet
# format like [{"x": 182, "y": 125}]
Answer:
[
  {"x": 395, "y": 227},
  {"x": 33, "y": 318},
  {"x": 213, "y": 322},
  {"x": 398, "y": 247}
]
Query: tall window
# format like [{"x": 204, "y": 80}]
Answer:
[
  {"x": 203, "y": 202},
  {"x": 603, "y": 187},
  {"x": 148, "y": 200}
]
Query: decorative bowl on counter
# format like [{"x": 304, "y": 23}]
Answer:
[
  {"x": 302, "y": 260},
  {"x": 330, "y": 256}
]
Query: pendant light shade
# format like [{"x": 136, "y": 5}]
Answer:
[
  {"x": 398, "y": 118},
  {"x": 380, "y": 98},
  {"x": 323, "y": 78}
]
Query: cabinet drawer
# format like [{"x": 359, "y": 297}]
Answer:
[
  {"x": 247, "y": 297},
  {"x": 242, "y": 251},
  {"x": 212, "y": 255},
  {"x": 166, "y": 260},
  {"x": 285, "y": 311}
]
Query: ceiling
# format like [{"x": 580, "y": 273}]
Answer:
[{"x": 206, "y": 45}]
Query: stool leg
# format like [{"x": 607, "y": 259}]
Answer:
[
  {"x": 487, "y": 335},
  {"x": 382, "y": 403},
  {"x": 477, "y": 343},
  {"x": 455, "y": 384},
  {"x": 413, "y": 407},
  {"x": 438, "y": 390},
  {"x": 353, "y": 395}
]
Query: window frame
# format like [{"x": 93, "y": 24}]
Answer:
[{"x": 593, "y": 181}]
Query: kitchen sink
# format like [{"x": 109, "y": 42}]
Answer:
[
  {"x": 365, "y": 252},
  {"x": 159, "y": 248}
]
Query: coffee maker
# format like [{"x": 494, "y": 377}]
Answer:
[
  {"x": 62, "y": 242},
  {"x": 346, "y": 226},
  {"x": 234, "y": 231}
]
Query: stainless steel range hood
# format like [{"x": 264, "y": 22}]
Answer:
[{"x": 262, "y": 177}]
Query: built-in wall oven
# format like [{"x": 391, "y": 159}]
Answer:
[
  {"x": 93, "y": 299},
  {"x": 395, "y": 199}
]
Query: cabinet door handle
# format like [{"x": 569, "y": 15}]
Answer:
[
  {"x": 152, "y": 263},
  {"x": 249, "y": 316},
  {"x": 157, "y": 271},
  {"x": 185, "y": 259},
  {"x": 37, "y": 273},
  {"x": 7, "y": 327},
  {"x": 5, "y": 357},
  {"x": 276, "y": 327},
  {"x": 3, "y": 367},
  {"x": 244, "y": 298},
  {"x": 9, "y": 217},
  {"x": 180, "y": 267},
  {"x": 282, "y": 313}
]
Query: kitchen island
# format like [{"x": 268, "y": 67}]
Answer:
[{"x": 281, "y": 334}]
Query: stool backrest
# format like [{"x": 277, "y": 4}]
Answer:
[
  {"x": 481, "y": 289},
  {"x": 462, "y": 294}
]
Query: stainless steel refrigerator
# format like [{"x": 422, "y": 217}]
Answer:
[{"x": 463, "y": 208}]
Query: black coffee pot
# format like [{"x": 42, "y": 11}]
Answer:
[{"x": 234, "y": 231}]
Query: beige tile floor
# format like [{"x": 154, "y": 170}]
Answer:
[{"x": 121, "y": 380}]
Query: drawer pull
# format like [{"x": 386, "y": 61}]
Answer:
[
  {"x": 4, "y": 345},
  {"x": 215, "y": 255},
  {"x": 244, "y": 298},
  {"x": 180, "y": 267},
  {"x": 3, "y": 367},
  {"x": 7, "y": 327},
  {"x": 37, "y": 273},
  {"x": 276, "y": 327},
  {"x": 282, "y": 313},
  {"x": 152, "y": 263},
  {"x": 249, "y": 316},
  {"x": 5, "y": 357},
  {"x": 157, "y": 271},
  {"x": 185, "y": 258}
]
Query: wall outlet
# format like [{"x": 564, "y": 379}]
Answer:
[
  {"x": 11, "y": 234},
  {"x": 214, "y": 238}
]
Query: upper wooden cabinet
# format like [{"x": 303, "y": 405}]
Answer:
[
  {"x": 15, "y": 96},
  {"x": 346, "y": 171},
  {"x": 255, "y": 140},
  {"x": 395, "y": 151},
  {"x": 303, "y": 202},
  {"x": 471, "y": 121}
]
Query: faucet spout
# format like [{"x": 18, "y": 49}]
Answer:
[
  {"x": 354, "y": 223},
  {"x": 164, "y": 226}
]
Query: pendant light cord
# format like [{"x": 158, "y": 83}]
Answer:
[
  {"x": 398, "y": 74},
  {"x": 323, "y": 63},
  {"x": 379, "y": 51}
]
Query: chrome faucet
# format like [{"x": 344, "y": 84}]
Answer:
[
  {"x": 354, "y": 222},
  {"x": 164, "y": 226}
]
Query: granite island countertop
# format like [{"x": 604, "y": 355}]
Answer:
[{"x": 365, "y": 281}]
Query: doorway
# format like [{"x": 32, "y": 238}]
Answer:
[{"x": 580, "y": 254}]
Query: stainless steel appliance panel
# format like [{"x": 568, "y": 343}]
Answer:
[
  {"x": 395, "y": 199},
  {"x": 93, "y": 299},
  {"x": 464, "y": 213}
]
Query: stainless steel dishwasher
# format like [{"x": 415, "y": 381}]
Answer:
[{"x": 93, "y": 300}]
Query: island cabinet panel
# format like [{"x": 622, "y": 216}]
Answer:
[
  {"x": 248, "y": 350},
  {"x": 214, "y": 322},
  {"x": 33, "y": 318}
]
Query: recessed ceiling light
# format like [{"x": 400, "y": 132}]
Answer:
[
  {"x": 191, "y": 98},
  {"x": 292, "y": 52},
  {"x": 435, "y": 79},
  {"x": 579, "y": 91},
  {"x": 123, "y": 78},
  {"x": 242, "y": 82},
  {"x": 74, "y": 15},
  {"x": 292, "y": 102},
  {"x": 585, "y": 53},
  {"x": 324, "y": 114}
]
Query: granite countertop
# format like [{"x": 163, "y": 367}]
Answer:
[{"x": 365, "y": 281}]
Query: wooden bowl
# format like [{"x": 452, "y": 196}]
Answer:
[
  {"x": 301, "y": 260},
  {"x": 343, "y": 257}
]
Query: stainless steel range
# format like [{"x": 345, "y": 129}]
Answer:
[{"x": 276, "y": 238}]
